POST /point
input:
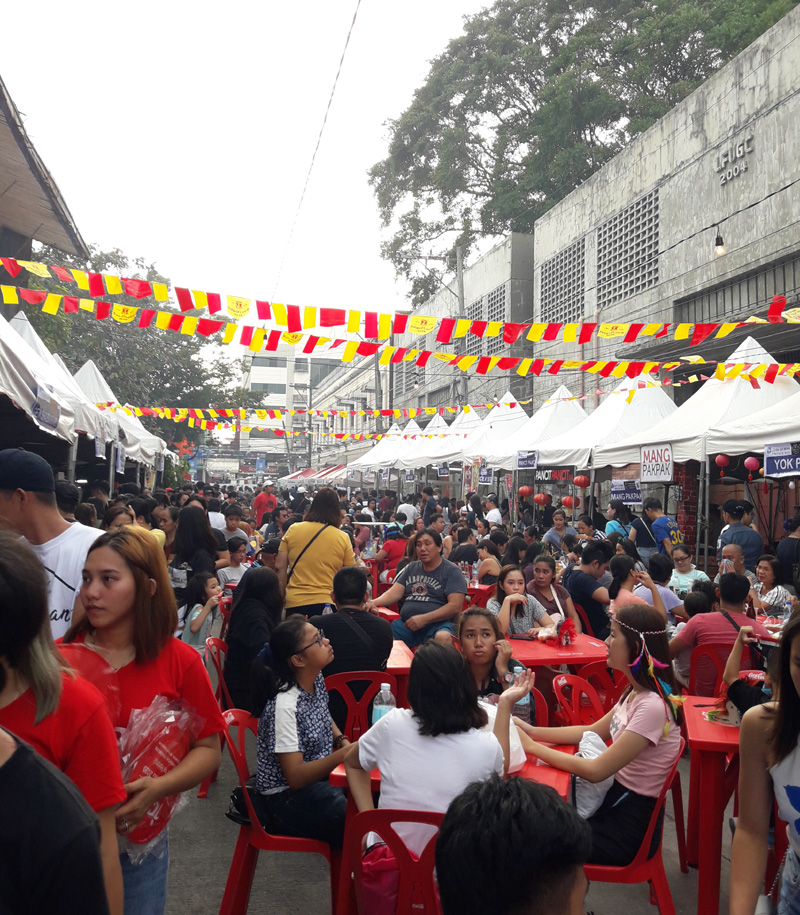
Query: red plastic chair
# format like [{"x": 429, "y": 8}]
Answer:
[
  {"x": 587, "y": 626},
  {"x": 225, "y": 605},
  {"x": 358, "y": 709},
  {"x": 608, "y": 684},
  {"x": 217, "y": 650},
  {"x": 417, "y": 892},
  {"x": 642, "y": 869},
  {"x": 540, "y": 706},
  {"x": 253, "y": 838},
  {"x": 577, "y": 700},
  {"x": 710, "y": 653},
  {"x": 479, "y": 599}
]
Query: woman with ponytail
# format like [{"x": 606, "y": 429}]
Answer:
[
  {"x": 624, "y": 579},
  {"x": 644, "y": 732},
  {"x": 298, "y": 743}
]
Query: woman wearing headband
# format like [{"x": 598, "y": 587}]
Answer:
[{"x": 644, "y": 733}]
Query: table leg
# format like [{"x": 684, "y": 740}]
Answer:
[
  {"x": 712, "y": 810},
  {"x": 693, "y": 820},
  {"x": 402, "y": 690}
]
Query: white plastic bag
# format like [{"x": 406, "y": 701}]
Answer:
[
  {"x": 588, "y": 796},
  {"x": 517, "y": 757}
]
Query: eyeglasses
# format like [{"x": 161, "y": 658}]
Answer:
[{"x": 317, "y": 641}]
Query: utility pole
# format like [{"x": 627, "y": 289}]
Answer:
[
  {"x": 462, "y": 313},
  {"x": 378, "y": 394}
]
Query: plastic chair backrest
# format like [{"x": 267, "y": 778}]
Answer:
[
  {"x": 587, "y": 626},
  {"x": 218, "y": 652},
  {"x": 417, "y": 891},
  {"x": 358, "y": 709},
  {"x": 225, "y": 606},
  {"x": 480, "y": 598},
  {"x": 578, "y": 700},
  {"x": 540, "y": 707},
  {"x": 710, "y": 654},
  {"x": 607, "y": 683}
]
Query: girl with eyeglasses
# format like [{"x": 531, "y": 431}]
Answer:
[
  {"x": 299, "y": 745},
  {"x": 685, "y": 574}
]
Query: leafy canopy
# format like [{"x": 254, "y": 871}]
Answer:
[{"x": 530, "y": 101}]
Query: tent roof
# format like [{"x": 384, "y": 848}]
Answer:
[
  {"x": 416, "y": 451},
  {"x": 387, "y": 444},
  {"x": 612, "y": 420},
  {"x": 402, "y": 448},
  {"x": 449, "y": 447},
  {"x": 716, "y": 402},
  {"x": 556, "y": 415},
  {"x": 775, "y": 424},
  {"x": 502, "y": 421}
]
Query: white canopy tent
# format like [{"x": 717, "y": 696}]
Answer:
[
  {"x": 417, "y": 450},
  {"x": 502, "y": 421},
  {"x": 556, "y": 415},
  {"x": 614, "y": 419},
  {"x": 140, "y": 445},
  {"x": 402, "y": 447},
  {"x": 449, "y": 447},
  {"x": 28, "y": 381},
  {"x": 773, "y": 425},
  {"x": 715, "y": 403},
  {"x": 379, "y": 453}
]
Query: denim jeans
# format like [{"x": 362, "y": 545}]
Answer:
[
  {"x": 645, "y": 552},
  {"x": 145, "y": 884},
  {"x": 789, "y": 903},
  {"x": 314, "y": 812},
  {"x": 413, "y": 638}
]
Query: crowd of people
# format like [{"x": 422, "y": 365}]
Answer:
[{"x": 108, "y": 599}]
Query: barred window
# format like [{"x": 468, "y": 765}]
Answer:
[
  {"x": 475, "y": 312},
  {"x": 563, "y": 284},
  {"x": 627, "y": 251},
  {"x": 496, "y": 311}
]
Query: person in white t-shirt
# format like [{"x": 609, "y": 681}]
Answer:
[
  {"x": 493, "y": 513},
  {"x": 644, "y": 733},
  {"x": 232, "y": 574},
  {"x": 409, "y": 510},
  {"x": 28, "y": 506},
  {"x": 428, "y": 754}
]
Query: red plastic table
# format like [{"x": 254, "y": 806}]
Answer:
[
  {"x": 398, "y": 665},
  {"x": 535, "y": 652},
  {"x": 712, "y": 745}
]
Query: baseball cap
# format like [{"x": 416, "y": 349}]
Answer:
[
  {"x": 269, "y": 482},
  {"x": 301, "y": 489},
  {"x": 21, "y": 469},
  {"x": 732, "y": 507},
  {"x": 67, "y": 495}
]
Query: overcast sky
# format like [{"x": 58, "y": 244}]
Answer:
[{"x": 183, "y": 132}]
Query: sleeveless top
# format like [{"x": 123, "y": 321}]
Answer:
[{"x": 786, "y": 783}]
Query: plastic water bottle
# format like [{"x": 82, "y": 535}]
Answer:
[
  {"x": 787, "y": 610},
  {"x": 474, "y": 573},
  {"x": 521, "y": 709},
  {"x": 384, "y": 703},
  {"x": 327, "y": 609}
]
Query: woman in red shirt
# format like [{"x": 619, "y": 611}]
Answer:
[{"x": 130, "y": 618}]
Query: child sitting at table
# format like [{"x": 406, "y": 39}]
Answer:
[
  {"x": 486, "y": 652},
  {"x": 644, "y": 733},
  {"x": 517, "y": 612}
]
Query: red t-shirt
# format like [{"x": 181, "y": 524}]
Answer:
[
  {"x": 263, "y": 503},
  {"x": 177, "y": 673},
  {"x": 394, "y": 550},
  {"x": 77, "y": 738}
]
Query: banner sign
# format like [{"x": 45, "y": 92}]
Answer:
[
  {"x": 558, "y": 475},
  {"x": 120, "y": 459},
  {"x": 385, "y": 475},
  {"x": 467, "y": 476},
  {"x": 485, "y": 476},
  {"x": 409, "y": 476},
  {"x": 629, "y": 492},
  {"x": 46, "y": 409},
  {"x": 527, "y": 460},
  {"x": 657, "y": 464},
  {"x": 782, "y": 460},
  {"x": 442, "y": 470}
]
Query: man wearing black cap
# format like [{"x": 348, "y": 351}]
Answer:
[
  {"x": 67, "y": 497},
  {"x": 28, "y": 506},
  {"x": 740, "y": 534}
]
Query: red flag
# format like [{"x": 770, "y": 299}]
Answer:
[
  {"x": 588, "y": 365},
  {"x": 175, "y": 322},
  {"x": 247, "y": 335},
  {"x": 445, "y": 333},
  {"x": 206, "y": 327},
  {"x": 423, "y": 357},
  {"x": 607, "y": 370},
  {"x": 479, "y": 329},
  {"x": 552, "y": 331},
  {"x": 294, "y": 323},
  {"x": 308, "y": 346},
  {"x": 399, "y": 324},
  {"x": 184, "y": 298},
  {"x": 701, "y": 331},
  {"x": 664, "y": 330},
  {"x": 585, "y": 333},
  {"x": 511, "y": 332},
  {"x": 11, "y": 265},
  {"x": 63, "y": 274},
  {"x": 70, "y": 304},
  {"x": 146, "y": 317},
  {"x": 96, "y": 288},
  {"x": 507, "y": 363},
  {"x": 367, "y": 349},
  {"x": 771, "y": 373},
  {"x": 103, "y": 310},
  {"x": 634, "y": 369},
  {"x": 633, "y": 332},
  {"x": 370, "y": 324},
  {"x": 214, "y": 302},
  {"x": 555, "y": 368},
  {"x": 332, "y": 317},
  {"x": 137, "y": 288},
  {"x": 263, "y": 310},
  {"x": 397, "y": 355},
  {"x": 776, "y": 306},
  {"x": 33, "y": 296},
  {"x": 536, "y": 367},
  {"x": 483, "y": 365},
  {"x": 273, "y": 340}
]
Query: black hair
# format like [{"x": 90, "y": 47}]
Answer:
[
  {"x": 587, "y": 520},
  {"x": 442, "y": 693},
  {"x": 214, "y": 505},
  {"x": 234, "y": 509},
  {"x": 193, "y": 533},
  {"x": 196, "y": 592},
  {"x": 696, "y": 602},
  {"x": 531, "y": 554},
  {"x": 708, "y": 588},
  {"x": 623, "y": 514},
  {"x": 547, "y": 560},
  {"x": 434, "y": 535},
  {"x": 499, "y": 537},
  {"x": 198, "y": 499},
  {"x": 325, "y": 508},
  {"x": 276, "y": 676},
  {"x": 775, "y": 565},
  {"x": 630, "y": 548},
  {"x": 427, "y": 490},
  {"x": 100, "y": 486},
  {"x": 620, "y": 568},
  {"x": 569, "y": 542},
  {"x": 85, "y": 513},
  {"x": 463, "y": 534},
  {"x": 652, "y": 504},
  {"x": 793, "y": 523},
  {"x": 660, "y": 567},
  {"x": 593, "y": 553},
  {"x": 491, "y": 547},
  {"x": 349, "y": 586},
  {"x": 477, "y": 506},
  {"x": 514, "y": 547},
  {"x": 261, "y": 584},
  {"x": 551, "y": 842},
  {"x": 733, "y": 588},
  {"x": 271, "y": 546}
]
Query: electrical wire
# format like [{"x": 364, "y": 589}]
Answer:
[{"x": 316, "y": 149}]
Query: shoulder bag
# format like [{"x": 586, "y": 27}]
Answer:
[
  {"x": 365, "y": 637},
  {"x": 294, "y": 564}
]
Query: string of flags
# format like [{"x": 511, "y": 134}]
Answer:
[
  {"x": 256, "y": 339},
  {"x": 373, "y": 325}
]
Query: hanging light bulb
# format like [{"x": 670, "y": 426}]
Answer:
[
  {"x": 791, "y": 484},
  {"x": 719, "y": 244}
]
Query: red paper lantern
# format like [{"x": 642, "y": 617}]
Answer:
[
  {"x": 571, "y": 501},
  {"x": 582, "y": 481},
  {"x": 722, "y": 460},
  {"x": 525, "y": 491},
  {"x": 541, "y": 498},
  {"x": 752, "y": 463}
]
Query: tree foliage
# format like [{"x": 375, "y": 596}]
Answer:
[
  {"x": 531, "y": 100},
  {"x": 143, "y": 367}
]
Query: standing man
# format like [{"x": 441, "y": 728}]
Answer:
[
  {"x": 666, "y": 532},
  {"x": 740, "y": 534},
  {"x": 301, "y": 503},
  {"x": 28, "y": 506},
  {"x": 430, "y": 506},
  {"x": 409, "y": 509},
  {"x": 264, "y": 502}
]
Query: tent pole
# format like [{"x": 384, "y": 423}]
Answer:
[
  {"x": 72, "y": 460},
  {"x": 701, "y": 488},
  {"x": 707, "y": 511},
  {"x": 112, "y": 463}
]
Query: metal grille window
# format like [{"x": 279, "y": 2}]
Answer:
[
  {"x": 563, "y": 283},
  {"x": 496, "y": 311},
  {"x": 474, "y": 345},
  {"x": 627, "y": 251},
  {"x": 440, "y": 397}
]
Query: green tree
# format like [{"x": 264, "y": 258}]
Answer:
[
  {"x": 530, "y": 101},
  {"x": 143, "y": 367}
]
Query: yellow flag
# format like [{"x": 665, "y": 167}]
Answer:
[
  {"x": 607, "y": 331},
  {"x": 421, "y": 324},
  {"x": 462, "y": 327},
  {"x": 113, "y": 285},
  {"x": 384, "y": 326},
  {"x": 163, "y": 319},
  {"x": 81, "y": 279},
  {"x": 124, "y": 314},
  {"x": 160, "y": 290},
  {"x": 86, "y": 304},
  {"x": 200, "y": 298},
  {"x": 291, "y": 339},
  {"x": 349, "y": 351},
  {"x": 51, "y": 304},
  {"x": 229, "y": 333},
  {"x": 279, "y": 314},
  {"x": 10, "y": 296},
  {"x": 386, "y": 354},
  {"x": 309, "y": 316},
  {"x": 258, "y": 340},
  {"x": 32, "y": 267},
  {"x": 237, "y": 306},
  {"x": 189, "y": 326},
  {"x": 353, "y": 322}
]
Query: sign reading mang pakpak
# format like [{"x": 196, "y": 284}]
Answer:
[
  {"x": 782, "y": 460},
  {"x": 657, "y": 465}
]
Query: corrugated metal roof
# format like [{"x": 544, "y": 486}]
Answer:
[{"x": 30, "y": 201}]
